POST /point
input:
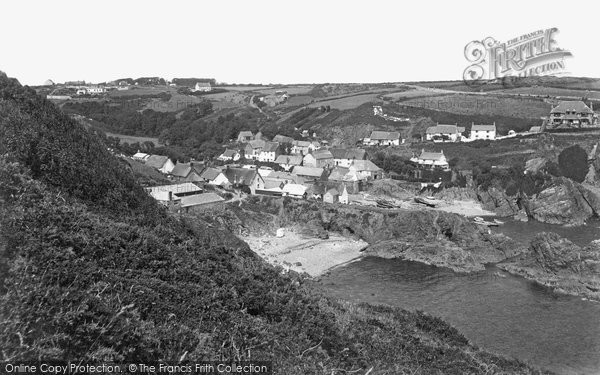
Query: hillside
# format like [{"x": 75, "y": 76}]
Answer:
[{"x": 94, "y": 271}]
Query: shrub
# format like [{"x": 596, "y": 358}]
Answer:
[{"x": 572, "y": 162}]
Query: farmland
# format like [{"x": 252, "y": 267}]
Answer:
[
  {"x": 133, "y": 139},
  {"x": 483, "y": 105}
]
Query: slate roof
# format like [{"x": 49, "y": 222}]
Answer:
[
  {"x": 301, "y": 143},
  {"x": 210, "y": 173},
  {"x": 283, "y": 139},
  {"x": 229, "y": 153},
  {"x": 156, "y": 161},
  {"x": 322, "y": 154},
  {"x": 270, "y": 147},
  {"x": 444, "y": 129},
  {"x": 483, "y": 128},
  {"x": 184, "y": 169},
  {"x": 242, "y": 176},
  {"x": 364, "y": 165},
  {"x": 289, "y": 159},
  {"x": 348, "y": 153},
  {"x": 383, "y": 135},
  {"x": 436, "y": 156},
  {"x": 307, "y": 171},
  {"x": 577, "y": 106},
  {"x": 333, "y": 191},
  {"x": 294, "y": 189},
  {"x": 338, "y": 173},
  {"x": 162, "y": 192},
  {"x": 199, "y": 199},
  {"x": 258, "y": 143}
]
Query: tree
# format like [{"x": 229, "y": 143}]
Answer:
[{"x": 573, "y": 163}]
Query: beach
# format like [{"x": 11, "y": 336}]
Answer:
[
  {"x": 306, "y": 254},
  {"x": 465, "y": 207}
]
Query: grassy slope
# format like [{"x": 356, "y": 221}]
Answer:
[{"x": 93, "y": 270}]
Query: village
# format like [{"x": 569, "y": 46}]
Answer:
[{"x": 312, "y": 170}]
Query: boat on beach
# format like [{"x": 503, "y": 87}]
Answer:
[{"x": 481, "y": 221}]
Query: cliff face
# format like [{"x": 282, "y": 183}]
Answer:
[
  {"x": 565, "y": 202},
  {"x": 558, "y": 263},
  {"x": 439, "y": 238}
]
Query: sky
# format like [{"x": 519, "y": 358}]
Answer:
[{"x": 265, "y": 41}]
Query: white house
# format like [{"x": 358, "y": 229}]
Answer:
[
  {"x": 269, "y": 152},
  {"x": 160, "y": 162},
  {"x": 294, "y": 191},
  {"x": 287, "y": 162},
  {"x": 431, "y": 160},
  {"x": 229, "y": 155},
  {"x": 214, "y": 176},
  {"x": 365, "y": 169},
  {"x": 483, "y": 132},
  {"x": 444, "y": 133},
  {"x": 382, "y": 138},
  {"x": 343, "y": 157},
  {"x": 140, "y": 156},
  {"x": 202, "y": 87},
  {"x": 253, "y": 149}
]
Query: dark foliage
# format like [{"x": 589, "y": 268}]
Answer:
[{"x": 573, "y": 163}]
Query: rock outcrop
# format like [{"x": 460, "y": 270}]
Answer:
[
  {"x": 496, "y": 200},
  {"x": 562, "y": 203},
  {"x": 560, "y": 264}
]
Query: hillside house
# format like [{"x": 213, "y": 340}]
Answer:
[
  {"x": 571, "y": 113},
  {"x": 304, "y": 147},
  {"x": 200, "y": 201},
  {"x": 444, "y": 133},
  {"x": 319, "y": 159},
  {"x": 288, "y": 162},
  {"x": 244, "y": 178},
  {"x": 382, "y": 138},
  {"x": 343, "y": 157},
  {"x": 189, "y": 172},
  {"x": 202, "y": 87},
  {"x": 431, "y": 160},
  {"x": 140, "y": 156},
  {"x": 269, "y": 152},
  {"x": 214, "y": 176},
  {"x": 331, "y": 196},
  {"x": 245, "y": 136},
  {"x": 171, "y": 196},
  {"x": 483, "y": 132},
  {"x": 365, "y": 169},
  {"x": 253, "y": 149},
  {"x": 285, "y": 177},
  {"x": 160, "y": 162},
  {"x": 272, "y": 187},
  {"x": 229, "y": 155},
  {"x": 283, "y": 139},
  {"x": 295, "y": 191},
  {"x": 307, "y": 174}
]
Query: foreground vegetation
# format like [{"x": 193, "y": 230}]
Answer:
[{"x": 93, "y": 270}]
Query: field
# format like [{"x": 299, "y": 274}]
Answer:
[
  {"x": 553, "y": 91},
  {"x": 349, "y": 102},
  {"x": 132, "y": 139},
  {"x": 483, "y": 105}
]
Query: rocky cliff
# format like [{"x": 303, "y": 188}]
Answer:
[
  {"x": 433, "y": 237},
  {"x": 563, "y": 202},
  {"x": 560, "y": 264}
]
